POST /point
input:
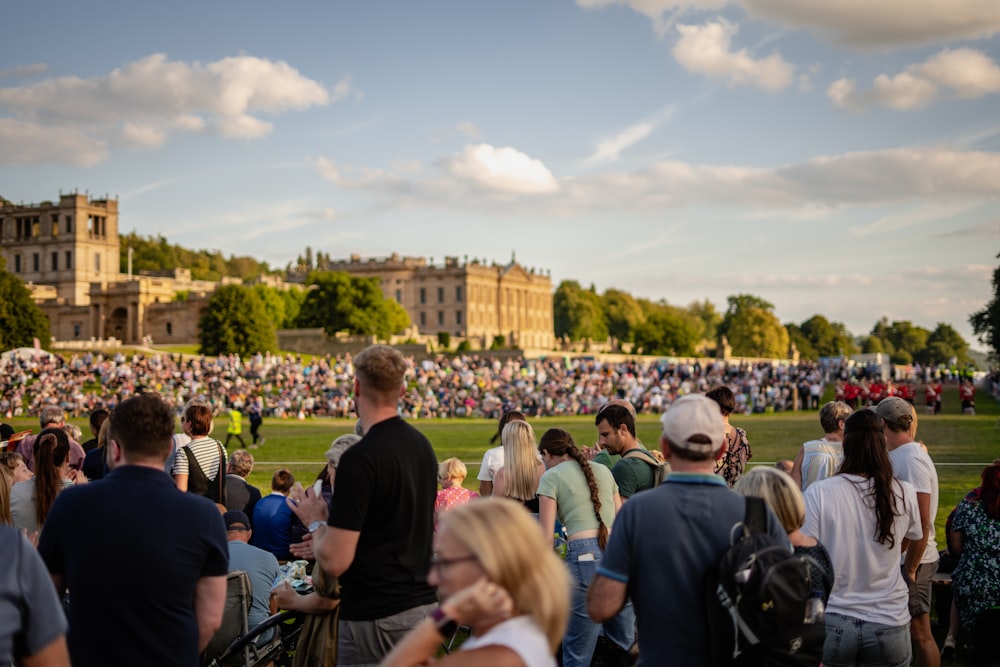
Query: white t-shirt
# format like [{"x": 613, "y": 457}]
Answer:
[
  {"x": 820, "y": 459},
  {"x": 521, "y": 635},
  {"x": 868, "y": 581},
  {"x": 492, "y": 461},
  {"x": 912, "y": 464}
]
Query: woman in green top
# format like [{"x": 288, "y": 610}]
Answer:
[{"x": 585, "y": 499}]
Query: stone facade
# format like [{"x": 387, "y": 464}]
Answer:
[
  {"x": 468, "y": 300},
  {"x": 69, "y": 256}
]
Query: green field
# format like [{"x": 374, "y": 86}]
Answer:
[{"x": 960, "y": 445}]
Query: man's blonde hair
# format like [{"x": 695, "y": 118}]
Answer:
[{"x": 380, "y": 370}]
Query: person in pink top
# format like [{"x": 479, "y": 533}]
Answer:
[{"x": 451, "y": 475}]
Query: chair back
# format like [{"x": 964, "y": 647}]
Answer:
[{"x": 234, "y": 616}]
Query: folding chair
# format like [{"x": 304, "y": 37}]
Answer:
[{"x": 234, "y": 617}]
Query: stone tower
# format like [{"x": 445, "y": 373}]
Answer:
[{"x": 70, "y": 246}]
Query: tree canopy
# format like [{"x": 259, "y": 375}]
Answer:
[
  {"x": 236, "y": 322},
  {"x": 338, "y": 301},
  {"x": 21, "y": 320},
  {"x": 578, "y": 313},
  {"x": 752, "y": 329},
  {"x": 986, "y": 322},
  {"x": 156, "y": 254}
]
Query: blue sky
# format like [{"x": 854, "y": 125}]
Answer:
[{"x": 832, "y": 156}]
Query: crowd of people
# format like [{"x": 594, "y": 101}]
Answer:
[
  {"x": 286, "y": 386},
  {"x": 572, "y": 551}
]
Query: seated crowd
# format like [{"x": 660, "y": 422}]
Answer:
[{"x": 577, "y": 552}]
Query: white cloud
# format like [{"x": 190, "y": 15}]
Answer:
[
  {"x": 345, "y": 88},
  {"x": 660, "y": 12},
  {"x": 469, "y": 130},
  {"x": 707, "y": 49},
  {"x": 857, "y": 23},
  {"x": 609, "y": 149},
  {"x": 964, "y": 73},
  {"x": 138, "y": 135},
  {"x": 501, "y": 170},
  {"x": 141, "y": 103},
  {"x": 22, "y": 71},
  {"x": 880, "y": 23},
  {"x": 29, "y": 143},
  {"x": 818, "y": 186}
]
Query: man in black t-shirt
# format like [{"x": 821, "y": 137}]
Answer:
[{"x": 377, "y": 535}]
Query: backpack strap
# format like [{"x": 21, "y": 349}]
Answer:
[
  {"x": 755, "y": 517},
  {"x": 642, "y": 456}
]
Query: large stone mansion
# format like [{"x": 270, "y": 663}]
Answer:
[{"x": 68, "y": 253}]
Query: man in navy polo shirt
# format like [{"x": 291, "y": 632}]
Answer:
[{"x": 146, "y": 564}]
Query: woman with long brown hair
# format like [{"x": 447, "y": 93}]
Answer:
[
  {"x": 863, "y": 515},
  {"x": 31, "y": 500},
  {"x": 585, "y": 499}
]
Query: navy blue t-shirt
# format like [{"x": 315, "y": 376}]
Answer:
[{"x": 132, "y": 548}]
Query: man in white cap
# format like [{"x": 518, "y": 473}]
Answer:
[
  {"x": 911, "y": 463},
  {"x": 665, "y": 540}
]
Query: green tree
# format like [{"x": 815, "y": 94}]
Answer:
[
  {"x": 21, "y": 320},
  {"x": 986, "y": 322},
  {"x": 828, "y": 339},
  {"x": 668, "y": 330},
  {"x": 338, "y": 301},
  {"x": 578, "y": 313},
  {"x": 943, "y": 344},
  {"x": 236, "y": 322},
  {"x": 709, "y": 317},
  {"x": 622, "y": 314},
  {"x": 802, "y": 343},
  {"x": 752, "y": 329}
]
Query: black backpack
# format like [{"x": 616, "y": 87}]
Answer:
[{"x": 757, "y": 598}]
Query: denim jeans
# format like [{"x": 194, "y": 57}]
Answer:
[
  {"x": 581, "y": 635},
  {"x": 851, "y": 641}
]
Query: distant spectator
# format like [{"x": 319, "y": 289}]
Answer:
[
  {"x": 734, "y": 461},
  {"x": 260, "y": 566},
  {"x": 493, "y": 458},
  {"x": 451, "y": 474},
  {"x": 240, "y": 495},
  {"x": 273, "y": 518},
  {"x": 50, "y": 417},
  {"x": 819, "y": 459},
  {"x": 97, "y": 417},
  {"x": 31, "y": 500},
  {"x": 198, "y": 465}
]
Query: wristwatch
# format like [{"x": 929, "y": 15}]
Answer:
[
  {"x": 316, "y": 524},
  {"x": 446, "y": 625}
]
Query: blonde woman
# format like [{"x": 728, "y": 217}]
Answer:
[
  {"x": 783, "y": 496},
  {"x": 513, "y": 591},
  {"x": 451, "y": 475},
  {"x": 518, "y": 478}
]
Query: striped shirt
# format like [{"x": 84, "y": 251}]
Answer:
[{"x": 206, "y": 452}]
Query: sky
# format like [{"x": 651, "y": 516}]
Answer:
[{"x": 839, "y": 157}]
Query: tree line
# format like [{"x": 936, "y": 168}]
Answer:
[{"x": 748, "y": 325}]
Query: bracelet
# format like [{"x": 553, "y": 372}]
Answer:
[{"x": 446, "y": 625}]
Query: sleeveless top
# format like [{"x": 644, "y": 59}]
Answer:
[{"x": 198, "y": 481}]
